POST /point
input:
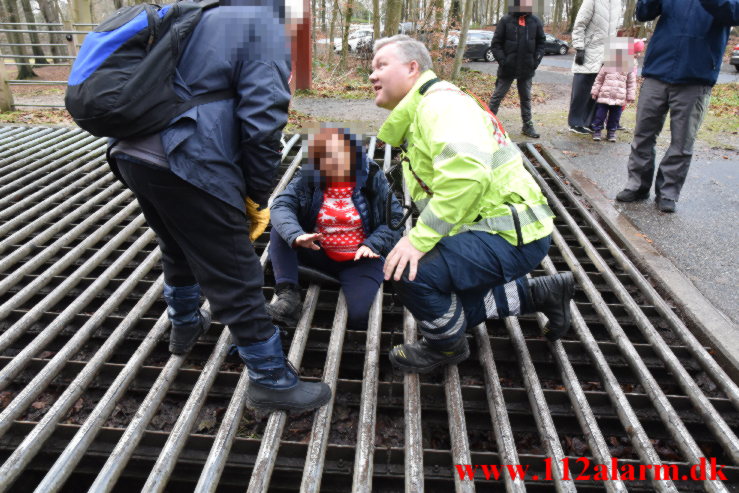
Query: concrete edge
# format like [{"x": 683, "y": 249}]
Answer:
[{"x": 714, "y": 328}]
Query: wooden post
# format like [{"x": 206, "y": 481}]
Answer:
[
  {"x": 303, "y": 52},
  {"x": 6, "y": 97}
]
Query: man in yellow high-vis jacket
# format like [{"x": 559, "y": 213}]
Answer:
[{"x": 484, "y": 223}]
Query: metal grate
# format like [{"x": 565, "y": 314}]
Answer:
[{"x": 90, "y": 398}]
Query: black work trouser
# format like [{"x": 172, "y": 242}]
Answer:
[
  {"x": 203, "y": 240},
  {"x": 502, "y": 85}
]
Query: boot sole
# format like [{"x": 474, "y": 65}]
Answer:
[
  {"x": 428, "y": 369},
  {"x": 179, "y": 350},
  {"x": 272, "y": 406}
]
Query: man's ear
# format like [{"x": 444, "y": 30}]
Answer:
[{"x": 414, "y": 68}]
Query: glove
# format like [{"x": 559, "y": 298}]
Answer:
[
  {"x": 580, "y": 57},
  {"x": 258, "y": 217}
]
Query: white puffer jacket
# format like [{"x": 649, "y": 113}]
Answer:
[{"x": 595, "y": 21}]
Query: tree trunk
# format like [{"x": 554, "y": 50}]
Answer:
[
  {"x": 331, "y": 31},
  {"x": 392, "y": 17},
  {"x": 629, "y": 21},
  {"x": 376, "y": 18},
  {"x": 38, "y": 53},
  {"x": 557, "y": 16},
  {"x": 345, "y": 40},
  {"x": 462, "y": 39},
  {"x": 575, "y": 7},
  {"x": 51, "y": 15},
  {"x": 25, "y": 71}
]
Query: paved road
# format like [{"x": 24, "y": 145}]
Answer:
[{"x": 555, "y": 69}]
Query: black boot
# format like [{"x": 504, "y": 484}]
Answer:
[
  {"x": 419, "y": 357},
  {"x": 285, "y": 310},
  {"x": 273, "y": 381},
  {"x": 551, "y": 296},
  {"x": 182, "y": 338},
  {"x": 529, "y": 130}
]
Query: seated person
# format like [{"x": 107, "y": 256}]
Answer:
[{"x": 332, "y": 217}]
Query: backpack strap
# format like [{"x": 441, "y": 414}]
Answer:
[{"x": 208, "y": 97}]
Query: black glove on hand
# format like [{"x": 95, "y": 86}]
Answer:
[{"x": 580, "y": 57}]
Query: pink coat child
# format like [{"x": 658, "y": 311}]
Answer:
[{"x": 613, "y": 89}]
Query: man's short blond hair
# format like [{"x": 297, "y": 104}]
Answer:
[{"x": 409, "y": 50}]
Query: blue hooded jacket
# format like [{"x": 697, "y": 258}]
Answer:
[
  {"x": 294, "y": 212},
  {"x": 689, "y": 40}
]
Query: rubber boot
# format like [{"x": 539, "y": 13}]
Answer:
[
  {"x": 551, "y": 296},
  {"x": 273, "y": 381},
  {"x": 285, "y": 310},
  {"x": 189, "y": 322},
  {"x": 420, "y": 357}
]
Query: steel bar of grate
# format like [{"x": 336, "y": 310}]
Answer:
[
  {"x": 713, "y": 419},
  {"x": 457, "y": 426},
  {"x": 23, "y": 152},
  {"x": 719, "y": 376},
  {"x": 675, "y": 426},
  {"x": 538, "y": 402},
  {"x": 34, "y": 441},
  {"x": 61, "y": 290},
  {"x": 364, "y": 457},
  {"x": 79, "y": 444},
  {"x": 265, "y": 461},
  {"x": 316, "y": 455},
  {"x": 499, "y": 417},
  {"x": 10, "y": 138},
  {"x": 65, "y": 316}
]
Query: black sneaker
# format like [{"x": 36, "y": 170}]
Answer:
[
  {"x": 580, "y": 130},
  {"x": 666, "y": 205},
  {"x": 611, "y": 136},
  {"x": 551, "y": 296},
  {"x": 184, "y": 337},
  {"x": 597, "y": 136},
  {"x": 632, "y": 195},
  {"x": 285, "y": 310},
  {"x": 419, "y": 357}
]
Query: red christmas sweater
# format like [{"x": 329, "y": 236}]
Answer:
[{"x": 339, "y": 222}]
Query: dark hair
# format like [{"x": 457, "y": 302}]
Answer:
[{"x": 318, "y": 149}]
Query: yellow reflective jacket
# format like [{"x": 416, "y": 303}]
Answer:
[{"x": 474, "y": 173}]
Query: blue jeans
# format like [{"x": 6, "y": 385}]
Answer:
[
  {"x": 466, "y": 279},
  {"x": 360, "y": 280},
  {"x": 614, "y": 117}
]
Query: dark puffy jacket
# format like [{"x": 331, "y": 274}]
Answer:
[
  {"x": 231, "y": 148},
  {"x": 518, "y": 49},
  {"x": 689, "y": 40},
  {"x": 294, "y": 211}
]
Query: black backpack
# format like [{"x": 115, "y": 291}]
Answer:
[{"x": 121, "y": 84}]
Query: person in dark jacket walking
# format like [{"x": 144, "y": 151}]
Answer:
[
  {"x": 681, "y": 66},
  {"x": 192, "y": 181},
  {"x": 518, "y": 47},
  {"x": 332, "y": 217}
]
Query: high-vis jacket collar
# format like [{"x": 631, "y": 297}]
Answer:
[{"x": 394, "y": 129}]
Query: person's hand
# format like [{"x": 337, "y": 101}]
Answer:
[
  {"x": 365, "y": 251},
  {"x": 580, "y": 57},
  {"x": 404, "y": 254},
  {"x": 258, "y": 219},
  {"x": 308, "y": 240}
]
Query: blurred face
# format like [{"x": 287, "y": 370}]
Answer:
[
  {"x": 335, "y": 160},
  {"x": 391, "y": 78},
  {"x": 617, "y": 58}
]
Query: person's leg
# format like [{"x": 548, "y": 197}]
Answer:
[
  {"x": 582, "y": 105},
  {"x": 181, "y": 290},
  {"x": 284, "y": 259},
  {"x": 688, "y": 106},
  {"x": 614, "y": 118},
  {"x": 501, "y": 89},
  {"x": 651, "y": 111},
  {"x": 524, "y": 97},
  {"x": 601, "y": 111},
  {"x": 360, "y": 281}
]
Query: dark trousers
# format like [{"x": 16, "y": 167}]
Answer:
[
  {"x": 469, "y": 278},
  {"x": 206, "y": 241},
  {"x": 359, "y": 279},
  {"x": 582, "y": 105},
  {"x": 687, "y": 105},
  {"x": 611, "y": 112},
  {"x": 502, "y": 85}
]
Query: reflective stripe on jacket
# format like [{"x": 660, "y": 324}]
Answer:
[{"x": 476, "y": 175}]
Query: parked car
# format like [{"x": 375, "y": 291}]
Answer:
[
  {"x": 735, "y": 58},
  {"x": 478, "y": 45},
  {"x": 554, "y": 45},
  {"x": 358, "y": 39}
]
